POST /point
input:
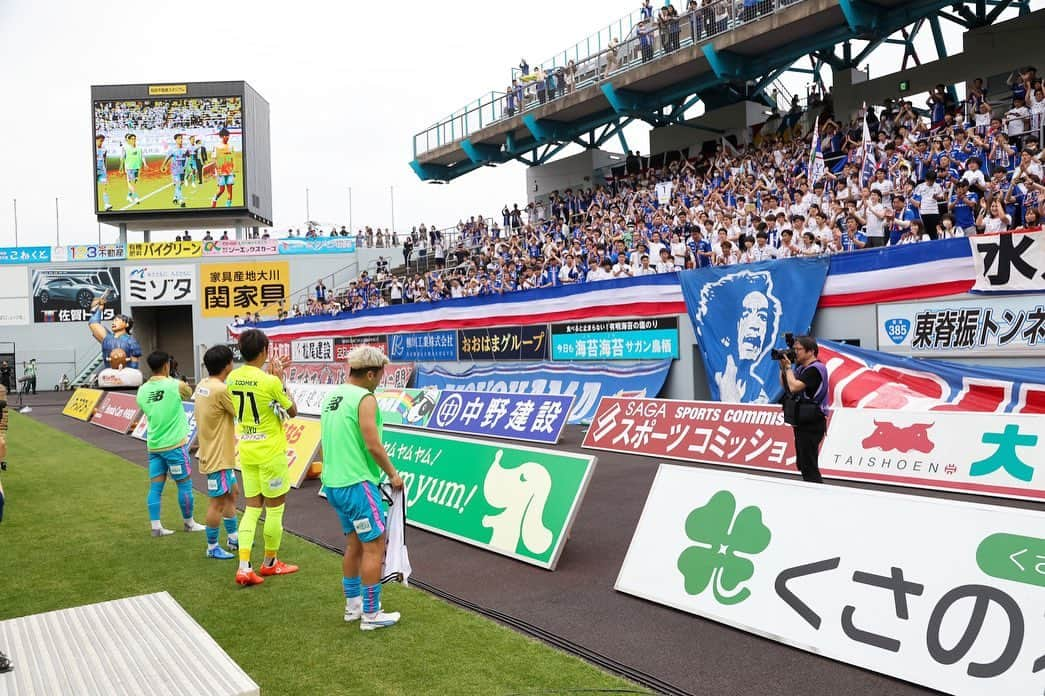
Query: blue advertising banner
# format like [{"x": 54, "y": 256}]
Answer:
[
  {"x": 190, "y": 415},
  {"x": 317, "y": 245},
  {"x": 587, "y": 383},
  {"x": 740, "y": 315},
  {"x": 627, "y": 339},
  {"x": 34, "y": 254},
  {"x": 431, "y": 346},
  {"x": 529, "y": 417}
]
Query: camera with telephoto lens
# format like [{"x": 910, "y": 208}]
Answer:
[{"x": 789, "y": 340}]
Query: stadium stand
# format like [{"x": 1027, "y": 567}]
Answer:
[{"x": 948, "y": 169}]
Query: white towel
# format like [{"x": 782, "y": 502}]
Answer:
[{"x": 396, "y": 558}]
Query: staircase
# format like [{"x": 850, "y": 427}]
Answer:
[{"x": 85, "y": 377}]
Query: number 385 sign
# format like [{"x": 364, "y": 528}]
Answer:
[{"x": 945, "y": 594}]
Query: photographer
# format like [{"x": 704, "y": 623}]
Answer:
[{"x": 805, "y": 400}]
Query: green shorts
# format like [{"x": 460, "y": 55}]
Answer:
[{"x": 271, "y": 479}]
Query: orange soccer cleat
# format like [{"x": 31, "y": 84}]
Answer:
[
  {"x": 278, "y": 568},
  {"x": 248, "y": 578}
]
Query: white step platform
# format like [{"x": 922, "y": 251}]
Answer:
[{"x": 139, "y": 646}]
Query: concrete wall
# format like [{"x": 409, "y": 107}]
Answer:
[
  {"x": 734, "y": 120},
  {"x": 576, "y": 171}
]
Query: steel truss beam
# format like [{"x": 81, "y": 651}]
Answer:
[{"x": 733, "y": 78}]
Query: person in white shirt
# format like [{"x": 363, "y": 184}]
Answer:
[
  {"x": 881, "y": 184},
  {"x": 993, "y": 218},
  {"x": 644, "y": 269},
  {"x": 396, "y": 292},
  {"x": 604, "y": 271},
  {"x": 1017, "y": 120},
  {"x": 787, "y": 245},
  {"x": 875, "y": 212},
  {"x": 762, "y": 251},
  {"x": 808, "y": 245},
  {"x": 727, "y": 255},
  {"x": 927, "y": 197},
  {"x": 666, "y": 264},
  {"x": 974, "y": 175},
  {"x": 678, "y": 251},
  {"x": 622, "y": 269}
]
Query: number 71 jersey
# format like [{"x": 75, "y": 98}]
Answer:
[{"x": 260, "y": 404}]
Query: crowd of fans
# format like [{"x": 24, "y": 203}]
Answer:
[
  {"x": 167, "y": 114},
  {"x": 952, "y": 169}
]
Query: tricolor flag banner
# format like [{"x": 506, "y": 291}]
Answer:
[
  {"x": 870, "y": 160},
  {"x": 816, "y": 157}
]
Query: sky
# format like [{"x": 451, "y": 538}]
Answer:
[{"x": 348, "y": 85}]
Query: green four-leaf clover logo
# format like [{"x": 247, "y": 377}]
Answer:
[{"x": 723, "y": 545}]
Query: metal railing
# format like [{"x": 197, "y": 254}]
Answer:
[{"x": 617, "y": 48}]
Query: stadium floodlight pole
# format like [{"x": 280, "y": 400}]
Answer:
[
  {"x": 392, "y": 195},
  {"x": 308, "y": 214},
  {"x": 350, "y": 228}
]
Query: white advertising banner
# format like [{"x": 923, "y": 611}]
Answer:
[
  {"x": 939, "y": 593},
  {"x": 981, "y": 453},
  {"x": 309, "y": 397},
  {"x": 14, "y": 296},
  {"x": 312, "y": 350},
  {"x": 160, "y": 284},
  {"x": 1012, "y": 325},
  {"x": 1009, "y": 261}
]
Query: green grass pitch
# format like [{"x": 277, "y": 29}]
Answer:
[
  {"x": 157, "y": 191},
  {"x": 75, "y": 531}
]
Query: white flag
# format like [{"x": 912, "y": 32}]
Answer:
[{"x": 870, "y": 162}]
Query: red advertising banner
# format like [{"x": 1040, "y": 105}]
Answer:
[
  {"x": 118, "y": 411},
  {"x": 708, "y": 432},
  {"x": 397, "y": 375}
]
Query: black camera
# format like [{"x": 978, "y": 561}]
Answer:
[{"x": 789, "y": 340}]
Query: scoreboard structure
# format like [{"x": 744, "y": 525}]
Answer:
[{"x": 181, "y": 155}]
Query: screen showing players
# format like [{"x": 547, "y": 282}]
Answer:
[{"x": 168, "y": 154}]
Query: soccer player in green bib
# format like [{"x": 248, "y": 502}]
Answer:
[
  {"x": 353, "y": 459},
  {"x": 168, "y": 440},
  {"x": 132, "y": 164},
  {"x": 261, "y": 404}
]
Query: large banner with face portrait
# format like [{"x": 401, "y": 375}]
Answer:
[{"x": 741, "y": 313}]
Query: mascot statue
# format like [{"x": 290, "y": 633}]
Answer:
[{"x": 120, "y": 350}]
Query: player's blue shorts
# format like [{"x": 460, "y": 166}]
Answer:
[
  {"x": 226, "y": 179},
  {"x": 132, "y": 175},
  {"x": 174, "y": 462},
  {"x": 221, "y": 482},
  {"x": 361, "y": 509},
  {"x": 103, "y": 176}
]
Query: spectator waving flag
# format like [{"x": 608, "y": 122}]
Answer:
[
  {"x": 870, "y": 162},
  {"x": 816, "y": 156}
]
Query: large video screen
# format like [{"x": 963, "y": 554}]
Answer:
[{"x": 168, "y": 154}]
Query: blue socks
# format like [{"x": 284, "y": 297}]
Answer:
[
  {"x": 351, "y": 587},
  {"x": 371, "y": 598},
  {"x": 155, "y": 496},
  {"x": 230, "y": 525},
  {"x": 184, "y": 497},
  {"x": 212, "y": 536}
]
